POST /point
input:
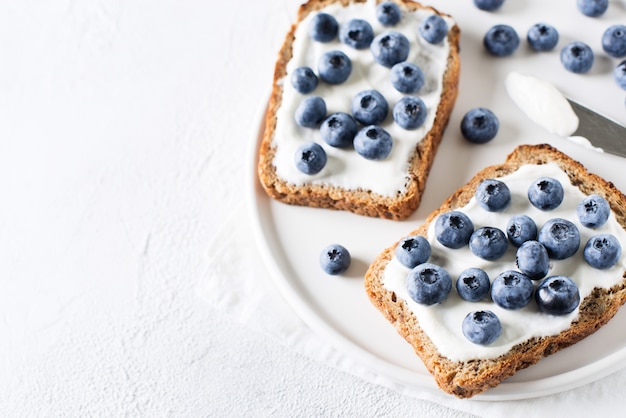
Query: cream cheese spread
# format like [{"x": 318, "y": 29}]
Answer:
[
  {"x": 345, "y": 168},
  {"x": 442, "y": 322}
]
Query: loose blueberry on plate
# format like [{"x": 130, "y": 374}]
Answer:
[
  {"x": 334, "y": 67},
  {"x": 473, "y": 284},
  {"x": 428, "y": 284},
  {"x": 592, "y": 8},
  {"x": 512, "y": 290},
  {"x": 557, "y": 295},
  {"x": 311, "y": 112},
  {"x": 493, "y": 195},
  {"x": 593, "y": 211},
  {"x": 433, "y": 29},
  {"x": 619, "y": 74},
  {"x": 390, "y": 48},
  {"x": 481, "y": 327},
  {"x": 373, "y": 143},
  {"x": 407, "y": 77},
  {"x": 338, "y": 130},
  {"x": 453, "y": 229},
  {"x": 335, "y": 259},
  {"x": 410, "y": 112},
  {"x": 546, "y": 193},
  {"x": 479, "y": 125},
  {"x": 501, "y": 40},
  {"x": 577, "y": 57},
  {"x": 488, "y": 243},
  {"x": 413, "y": 251},
  {"x": 614, "y": 41},
  {"x": 388, "y": 13},
  {"x": 304, "y": 80},
  {"x": 357, "y": 33},
  {"x": 532, "y": 259},
  {"x": 323, "y": 27},
  {"x": 542, "y": 37},
  {"x": 602, "y": 251},
  {"x": 488, "y": 5},
  {"x": 560, "y": 237},
  {"x": 369, "y": 107},
  {"x": 310, "y": 158},
  {"x": 520, "y": 229}
]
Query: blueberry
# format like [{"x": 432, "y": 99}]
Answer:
[
  {"x": 520, "y": 229},
  {"x": 488, "y": 5},
  {"x": 577, "y": 57},
  {"x": 357, "y": 33},
  {"x": 428, "y": 284},
  {"x": 388, "y": 13},
  {"x": 542, "y": 37},
  {"x": 592, "y": 8},
  {"x": 493, "y": 195},
  {"x": 453, "y": 229},
  {"x": 479, "y": 125},
  {"x": 410, "y": 112},
  {"x": 560, "y": 237},
  {"x": 338, "y": 130},
  {"x": 323, "y": 27},
  {"x": 473, "y": 284},
  {"x": 373, "y": 143},
  {"x": 602, "y": 251},
  {"x": 512, "y": 290},
  {"x": 335, "y": 259},
  {"x": 614, "y": 41},
  {"x": 557, "y": 295},
  {"x": 488, "y": 243},
  {"x": 369, "y": 107},
  {"x": 546, "y": 193},
  {"x": 413, "y": 251},
  {"x": 619, "y": 74},
  {"x": 304, "y": 80},
  {"x": 334, "y": 67},
  {"x": 593, "y": 211},
  {"x": 310, "y": 158},
  {"x": 311, "y": 112},
  {"x": 390, "y": 48},
  {"x": 532, "y": 259},
  {"x": 481, "y": 327},
  {"x": 407, "y": 77},
  {"x": 433, "y": 29},
  {"x": 501, "y": 40}
]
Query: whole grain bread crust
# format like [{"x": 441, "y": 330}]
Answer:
[
  {"x": 469, "y": 378},
  {"x": 362, "y": 202}
]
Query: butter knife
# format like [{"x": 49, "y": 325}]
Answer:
[{"x": 600, "y": 131}]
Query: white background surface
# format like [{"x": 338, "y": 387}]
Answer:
[{"x": 124, "y": 129}]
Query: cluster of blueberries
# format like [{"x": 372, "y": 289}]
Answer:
[
  {"x": 577, "y": 57},
  {"x": 369, "y": 107},
  {"x": 558, "y": 239}
]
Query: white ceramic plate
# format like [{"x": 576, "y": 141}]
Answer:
[{"x": 336, "y": 307}]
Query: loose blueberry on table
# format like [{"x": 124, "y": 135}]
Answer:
[
  {"x": 501, "y": 40},
  {"x": 473, "y": 284},
  {"x": 481, "y": 327},
  {"x": 592, "y": 8},
  {"x": 614, "y": 41},
  {"x": 577, "y": 57},
  {"x": 488, "y": 5},
  {"x": 542, "y": 37},
  {"x": 335, "y": 259},
  {"x": 413, "y": 251},
  {"x": 557, "y": 295},
  {"x": 428, "y": 284},
  {"x": 479, "y": 125},
  {"x": 619, "y": 74}
]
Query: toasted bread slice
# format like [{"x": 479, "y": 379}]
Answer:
[
  {"x": 350, "y": 183},
  {"x": 459, "y": 373}
]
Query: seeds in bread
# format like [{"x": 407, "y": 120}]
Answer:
[
  {"x": 466, "y": 374},
  {"x": 389, "y": 189}
]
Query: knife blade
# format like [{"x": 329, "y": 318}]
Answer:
[{"x": 601, "y": 131}]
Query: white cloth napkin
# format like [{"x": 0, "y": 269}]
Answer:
[{"x": 238, "y": 284}]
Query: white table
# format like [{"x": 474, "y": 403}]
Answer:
[{"x": 125, "y": 127}]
